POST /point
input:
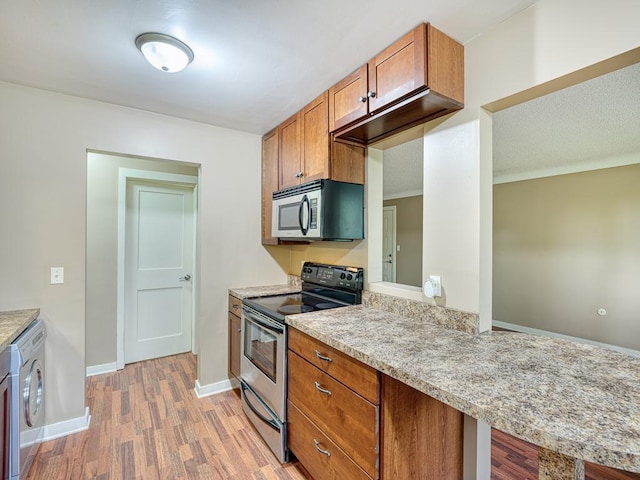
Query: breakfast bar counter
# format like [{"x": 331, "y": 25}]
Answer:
[{"x": 578, "y": 400}]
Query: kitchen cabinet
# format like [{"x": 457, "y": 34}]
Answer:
[
  {"x": 234, "y": 314},
  {"x": 347, "y": 420},
  {"x": 289, "y": 157},
  {"x": 418, "y": 78},
  {"x": 307, "y": 151},
  {"x": 415, "y": 422},
  {"x": 270, "y": 149},
  {"x": 333, "y": 411},
  {"x": 301, "y": 150}
]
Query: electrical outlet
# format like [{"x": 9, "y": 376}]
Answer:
[{"x": 57, "y": 275}]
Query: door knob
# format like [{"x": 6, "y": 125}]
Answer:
[{"x": 186, "y": 278}]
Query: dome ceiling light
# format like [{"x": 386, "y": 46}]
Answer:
[{"x": 164, "y": 52}]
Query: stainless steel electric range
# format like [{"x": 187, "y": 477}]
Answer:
[{"x": 263, "y": 364}]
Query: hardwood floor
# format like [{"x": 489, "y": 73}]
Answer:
[{"x": 146, "y": 423}]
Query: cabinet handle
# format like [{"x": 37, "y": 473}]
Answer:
[
  {"x": 322, "y": 390},
  {"x": 299, "y": 175},
  {"x": 235, "y": 305},
  {"x": 322, "y": 357},
  {"x": 321, "y": 450},
  {"x": 371, "y": 94},
  {"x": 363, "y": 99},
  {"x": 239, "y": 330}
]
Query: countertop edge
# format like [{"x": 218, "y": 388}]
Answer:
[{"x": 13, "y": 323}]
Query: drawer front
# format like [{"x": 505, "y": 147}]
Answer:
[
  {"x": 348, "y": 419},
  {"x": 347, "y": 370},
  {"x": 235, "y": 305},
  {"x": 318, "y": 454}
]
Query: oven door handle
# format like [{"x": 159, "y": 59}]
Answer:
[
  {"x": 304, "y": 200},
  {"x": 274, "y": 327},
  {"x": 269, "y": 421}
]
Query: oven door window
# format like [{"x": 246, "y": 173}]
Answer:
[{"x": 261, "y": 347}]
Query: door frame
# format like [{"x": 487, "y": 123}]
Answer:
[
  {"x": 394, "y": 242},
  {"x": 125, "y": 175}
]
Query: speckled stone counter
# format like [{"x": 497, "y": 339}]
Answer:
[
  {"x": 13, "y": 324},
  {"x": 293, "y": 285},
  {"x": 576, "y": 399}
]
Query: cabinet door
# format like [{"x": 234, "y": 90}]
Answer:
[
  {"x": 348, "y": 99},
  {"x": 315, "y": 139},
  {"x": 269, "y": 183},
  {"x": 290, "y": 155},
  {"x": 234, "y": 345},
  {"x": 399, "y": 70}
]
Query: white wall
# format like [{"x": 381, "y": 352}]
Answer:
[{"x": 44, "y": 139}]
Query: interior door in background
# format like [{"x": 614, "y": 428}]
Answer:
[
  {"x": 158, "y": 270},
  {"x": 389, "y": 244}
]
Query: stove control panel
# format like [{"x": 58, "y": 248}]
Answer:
[{"x": 349, "y": 278}]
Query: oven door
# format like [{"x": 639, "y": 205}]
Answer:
[{"x": 262, "y": 365}]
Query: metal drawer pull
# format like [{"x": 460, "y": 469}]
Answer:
[
  {"x": 322, "y": 357},
  {"x": 235, "y": 306},
  {"x": 321, "y": 450},
  {"x": 322, "y": 390}
]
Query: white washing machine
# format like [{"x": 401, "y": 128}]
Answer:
[{"x": 27, "y": 398}]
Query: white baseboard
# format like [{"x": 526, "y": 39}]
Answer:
[
  {"x": 546, "y": 333},
  {"x": 100, "y": 369},
  {"x": 62, "y": 429},
  {"x": 214, "y": 388}
]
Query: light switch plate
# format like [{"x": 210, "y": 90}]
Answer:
[{"x": 57, "y": 275}]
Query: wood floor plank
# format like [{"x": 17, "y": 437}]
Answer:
[{"x": 147, "y": 423}]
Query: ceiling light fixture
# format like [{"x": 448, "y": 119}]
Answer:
[{"x": 164, "y": 52}]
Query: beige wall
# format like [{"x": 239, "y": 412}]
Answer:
[
  {"x": 565, "y": 246},
  {"x": 102, "y": 247},
  {"x": 44, "y": 139},
  {"x": 548, "y": 40},
  {"x": 409, "y": 238}
]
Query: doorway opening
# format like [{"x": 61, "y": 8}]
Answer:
[{"x": 161, "y": 185}]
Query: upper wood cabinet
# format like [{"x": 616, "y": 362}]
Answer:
[
  {"x": 290, "y": 157},
  {"x": 417, "y": 78},
  {"x": 348, "y": 100},
  {"x": 270, "y": 150},
  {"x": 307, "y": 152}
]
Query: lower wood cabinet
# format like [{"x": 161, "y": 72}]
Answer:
[
  {"x": 235, "y": 311},
  {"x": 345, "y": 420},
  {"x": 333, "y": 428}
]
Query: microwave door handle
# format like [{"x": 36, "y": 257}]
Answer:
[{"x": 304, "y": 200}]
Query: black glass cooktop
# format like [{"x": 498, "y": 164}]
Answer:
[{"x": 278, "y": 306}]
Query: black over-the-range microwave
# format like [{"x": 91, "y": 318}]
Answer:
[{"x": 319, "y": 210}]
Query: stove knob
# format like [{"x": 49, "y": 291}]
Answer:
[
  {"x": 342, "y": 275},
  {"x": 349, "y": 277}
]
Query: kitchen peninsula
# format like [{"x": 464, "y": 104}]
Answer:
[{"x": 575, "y": 399}]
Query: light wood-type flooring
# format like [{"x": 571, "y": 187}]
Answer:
[{"x": 146, "y": 423}]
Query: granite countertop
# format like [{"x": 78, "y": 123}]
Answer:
[
  {"x": 576, "y": 399},
  {"x": 13, "y": 324},
  {"x": 247, "y": 292}
]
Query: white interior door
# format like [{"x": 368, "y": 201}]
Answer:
[
  {"x": 389, "y": 244},
  {"x": 158, "y": 270}
]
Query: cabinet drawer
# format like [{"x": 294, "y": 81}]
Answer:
[
  {"x": 235, "y": 305},
  {"x": 348, "y": 419},
  {"x": 307, "y": 442},
  {"x": 347, "y": 370}
]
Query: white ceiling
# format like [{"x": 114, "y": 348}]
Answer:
[
  {"x": 594, "y": 124},
  {"x": 256, "y": 61}
]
